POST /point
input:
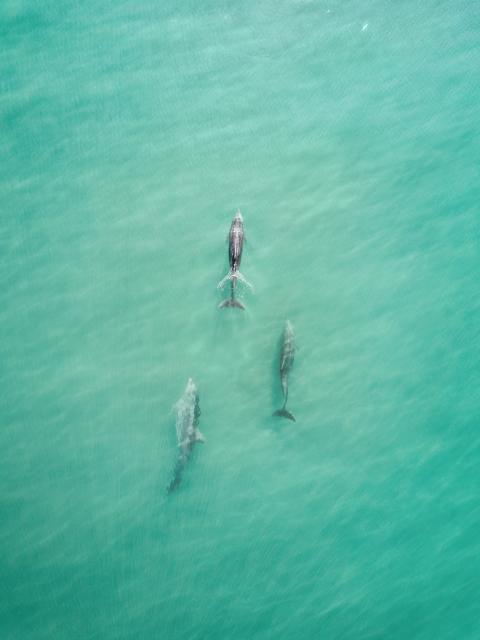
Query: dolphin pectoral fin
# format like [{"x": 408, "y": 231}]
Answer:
[
  {"x": 231, "y": 275},
  {"x": 284, "y": 413},
  {"x": 222, "y": 282},
  {"x": 242, "y": 278},
  {"x": 199, "y": 437}
]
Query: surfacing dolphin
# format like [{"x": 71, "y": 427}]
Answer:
[
  {"x": 188, "y": 434},
  {"x": 235, "y": 248},
  {"x": 286, "y": 362}
]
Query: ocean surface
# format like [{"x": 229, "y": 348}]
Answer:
[{"x": 348, "y": 133}]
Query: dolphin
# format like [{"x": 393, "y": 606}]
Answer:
[
  {"x": 188, "y": 433},
  {"x": 286, "y": 363},
  {"x": 235, "y": 248}
]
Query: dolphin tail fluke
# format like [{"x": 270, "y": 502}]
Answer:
[
  {"x": 232, "y": 302},
  {"x": 176, "y": 476},
  {"x": 284, "y": 413},
  {"x": 174, "y": 482}
]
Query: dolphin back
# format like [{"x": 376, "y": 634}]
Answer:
[
  {"x": 188, "y": 434},
  {"x": 286, "y": 362},
  {"x": 288, "y": 349}
]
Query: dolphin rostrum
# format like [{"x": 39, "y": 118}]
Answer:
[
  {"x": 286, "y": 363},
  {"x": 188, "y": 434},
  {"x": 235, "y": 248}
]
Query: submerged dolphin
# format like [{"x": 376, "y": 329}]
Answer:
[
  {"x": 188, "y": 434},
  {"x": 286, "y": 363},
  {"x": 235, "y": 248}
]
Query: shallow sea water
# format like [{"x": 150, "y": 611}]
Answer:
[{"x": 347, "y": 133}]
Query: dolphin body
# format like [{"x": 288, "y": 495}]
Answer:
[
  {"x": 188, "y": 434},
  {"x": 286, "y": 362},
  {"x": 235, "y": 248}
]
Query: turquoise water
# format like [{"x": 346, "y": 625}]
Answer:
[{"x": 347, "y": 133}]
